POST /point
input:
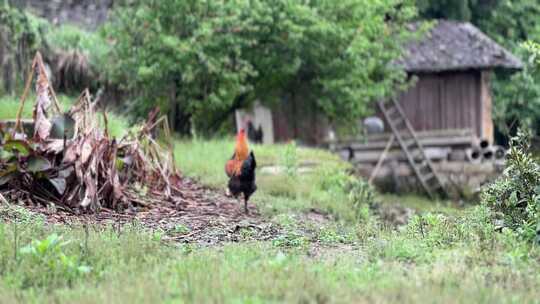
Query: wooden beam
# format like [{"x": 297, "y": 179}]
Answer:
[
  {"x": 384, "y": 137},
  {"x": 426, "y": 142}
]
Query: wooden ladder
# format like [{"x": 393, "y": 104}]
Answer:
[{"x": 409, "y": 143}]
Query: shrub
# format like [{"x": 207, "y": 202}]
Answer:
[
  {"x": 515, "y": 196},
  {"x": 358, "y": 193},
  {"x": 49, "y": 261},
  {"x": 361, "y": 196},
  {"x": 72, "y": 38}
]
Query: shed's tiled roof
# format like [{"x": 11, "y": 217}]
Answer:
[{"x": 451, "y": 45}]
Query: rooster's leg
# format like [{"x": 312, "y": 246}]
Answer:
[{"x": 245, "y": 204}]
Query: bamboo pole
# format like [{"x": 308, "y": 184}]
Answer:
[{"x": 381, "y": 159}]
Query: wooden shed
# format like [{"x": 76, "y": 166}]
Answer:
[{"x": 451, "y": 68}]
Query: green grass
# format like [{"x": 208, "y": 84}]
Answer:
[
  {"x": 421, "y": 203},
  {"x": 282, "y": 193},
  {"x": 205, "y": 159},
  {"x": 277, "y": 193},
  {"x": 130, "y": 265},
  {"x": 10, "y": 106}
]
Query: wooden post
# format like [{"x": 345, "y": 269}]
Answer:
[{"x": 486, "y": 131}]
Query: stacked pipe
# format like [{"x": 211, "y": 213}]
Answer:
[{"x": 485, "y": 152}]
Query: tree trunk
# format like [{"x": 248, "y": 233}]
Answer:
[
  {"x": 173, "y": 107},
  {"x": 8, "y": 76}
]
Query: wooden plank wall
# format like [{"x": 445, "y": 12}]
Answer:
[
  {"x": 295, "y": 119},
  {"x": 446, "y": 101}
]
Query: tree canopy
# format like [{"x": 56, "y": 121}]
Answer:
[{"x": 202, "y": 59}]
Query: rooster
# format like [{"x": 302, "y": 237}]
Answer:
[{"x": 241, "y": 169}]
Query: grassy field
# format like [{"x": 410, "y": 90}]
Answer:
[
  {"x": 10, "y": 105},
  {"x": 443, "y": 255},
  {"x": 289, "y": 189},
  {"x": 446, "y": 261}
]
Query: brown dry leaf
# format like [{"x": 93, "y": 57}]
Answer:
[
  {"x": 54, "y": 146},
  {"x": 42, "y": 125},
  {"x": 86, "y": 201},
  {"x": 70, "y": 154},
  {"x": 90, "y": 191},
  {"x": 59, "y": 184},
  {"x": 74, "y": 194},
  {"x": 86, "y": 150}
]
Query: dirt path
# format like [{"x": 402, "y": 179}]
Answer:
[{"x": 199, "y": 215}]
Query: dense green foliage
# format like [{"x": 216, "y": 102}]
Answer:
[
  {"x": 222, "y": 55},
  {"x": 203, "y": 59},
  {"x": 508, "y": 22},
  {"x": 515, "y": 196},
  {"x": 534, "y": 48},
  {"x": 446, "y": 9},
  {"x": 517, "y": 96},
  {"x": 21, "y": 35}
]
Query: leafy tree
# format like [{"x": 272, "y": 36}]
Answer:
[
  {"x": 517, "y": 96},
  {"x": 534, "y": 48},
  {"x": 509, "y": 22},
  {"x": 446, "y": 9},
  {"x": 203, "y": 59}
]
